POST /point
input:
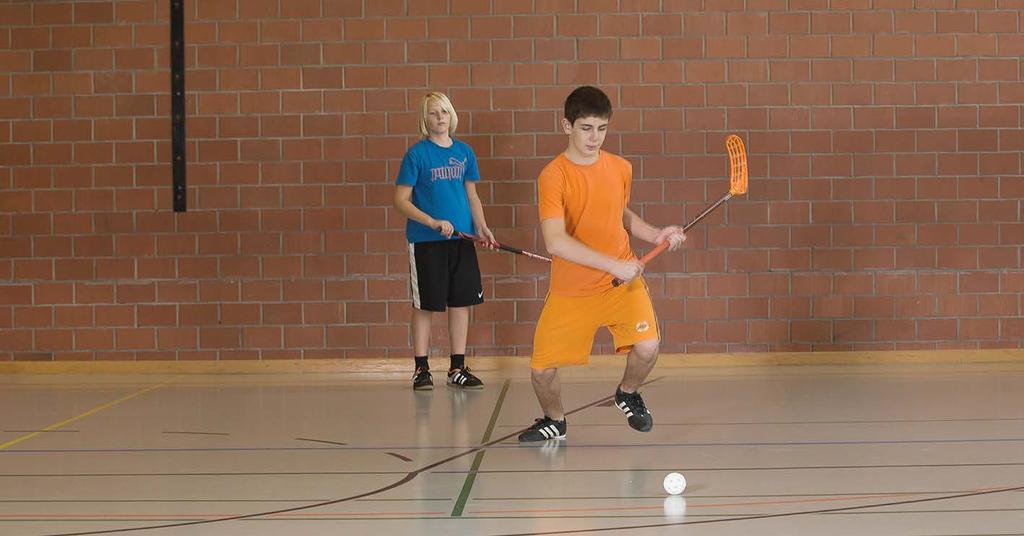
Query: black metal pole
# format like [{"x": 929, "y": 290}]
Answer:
[{"x": 178, "y": 156}]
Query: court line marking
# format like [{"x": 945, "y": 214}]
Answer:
[
  {"x": 81, "y": 416},
  {"x": 738, "y": 496},
  {"x": 41, "y": 431},
  {"x": 816, "y": 500},
  {"x": 491, "y": 518},
  {"x": 480, "y": 499},
  {"x": 518, "y": 446},
  {"x": 196, "y": 433},
  {"x": 942, "y": 511},
  {"x": 408, "y": 478},
  {"x": 810, "y": 443},
  {"x": 218, "y": 501},
  {"x": 769, "y": 516},
  {"x": 513, "y": 471},
  {"x": 753, "y": 468},
  {"x": 318, "y": 441},
  {"x": 467, "y": 485},
  {"x": 782, "y": 423},
  {"x": 504, "y": 512}
]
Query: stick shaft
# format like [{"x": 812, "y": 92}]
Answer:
[
  {"x": 664, "y": 245},
  {"x": 707, "y": 211},
  {"x": 503, "y": 247}
]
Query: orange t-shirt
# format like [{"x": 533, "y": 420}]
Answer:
[{"x": 591, "y": 199}]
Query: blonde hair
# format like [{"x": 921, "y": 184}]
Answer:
[{"x": 446, "y": 104}]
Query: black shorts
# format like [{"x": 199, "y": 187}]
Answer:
[{"x": 444, "y": 274}]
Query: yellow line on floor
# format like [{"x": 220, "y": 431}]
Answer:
[{"x": 92, "y": 411}]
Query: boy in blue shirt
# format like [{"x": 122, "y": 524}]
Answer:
[{"x": 436, "y": 190}]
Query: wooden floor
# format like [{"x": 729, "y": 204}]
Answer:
[{"x": 886, "y": 448}]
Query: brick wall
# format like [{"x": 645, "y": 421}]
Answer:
[{"x": 884, "y": 140}]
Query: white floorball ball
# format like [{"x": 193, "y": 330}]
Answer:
[{"x": 674, "y": 483}]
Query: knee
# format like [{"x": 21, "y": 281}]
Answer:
[
  {"x": 543, "y": 375},
  {"x": 646, "y": 350}
]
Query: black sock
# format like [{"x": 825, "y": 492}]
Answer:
[
  {"x": 458, "y": 361},
  {"x": 421, "y": 362}
]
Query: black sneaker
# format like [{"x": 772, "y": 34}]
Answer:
[
  {"x": 462, "y": 377},
  {"x": 544, "y": 429},
  {"x": 422, "y": 381},
  {"x": 632, "y": 404}
]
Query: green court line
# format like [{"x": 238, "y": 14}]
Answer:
[{"x": 467, "y": 486}]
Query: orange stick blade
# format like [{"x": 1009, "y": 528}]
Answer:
[{"x": 737, "y": 165}]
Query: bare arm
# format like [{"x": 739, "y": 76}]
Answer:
[
  {"x": 638, "y": 227},
  {"x": 560, "y": 244},
  {"x": 649, "y": 233},
  {"x": 476, "y": 208},
  {"x": 403, "y": 202}
]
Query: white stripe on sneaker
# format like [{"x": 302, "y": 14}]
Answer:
[{"x": 625, "y": 409}]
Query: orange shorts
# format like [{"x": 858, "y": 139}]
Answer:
[{"x": 567, "y": 325}]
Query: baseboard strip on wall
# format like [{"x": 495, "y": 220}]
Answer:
[{"x": 390, "y": 367}]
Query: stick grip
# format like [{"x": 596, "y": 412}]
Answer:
[
  {"x": 646, "y": 259},
  {"x": 510, "y": 248}
]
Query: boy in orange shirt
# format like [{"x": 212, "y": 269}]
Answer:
[{"x": 584, "y": 220}]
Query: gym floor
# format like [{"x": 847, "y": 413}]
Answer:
[{"x": 923, "y": 449}]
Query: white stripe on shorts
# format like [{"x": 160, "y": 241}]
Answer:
[{"x": 413, "y": 278}]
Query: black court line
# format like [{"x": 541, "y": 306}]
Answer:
[
  {"x": 516, "y": 471},
  {"x": 408, "y": 478},
  {"x": 195, "y": 433},
  {"x": 337, "y": 519},
  {"x": 516, "y": 445},
  {"x": 738, "y": 496},
  {"x": 502, "y": 499},
  {"x": 808, "y": 443},
  {"x": 214, "y": 449},
  {"x": 399, "y": 456},
  {"x": 769, "y": 516},
  {"x": 943, "y": 511},
  {"x": 981, "y": 534},
  {"x": 211, "y": 473},
  {"x": 752, "y": 468},
  {"x": 783, "y": 423},
  {"x": 217, "y": 501},
  {"x": 320, "y": 441},
  {"x": 710, "y": 518}
]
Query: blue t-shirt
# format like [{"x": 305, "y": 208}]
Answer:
[{"x": 436, "y": 175}]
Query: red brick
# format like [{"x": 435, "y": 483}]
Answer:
[
  {"x": 93, "y": 12},
  {"x": 304, "y": 337},
  {"x": 115, "y": 315},
  {"x": 221, "y": 337}
]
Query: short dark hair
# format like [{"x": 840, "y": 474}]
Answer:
[{"x": 587, "y": 101}]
